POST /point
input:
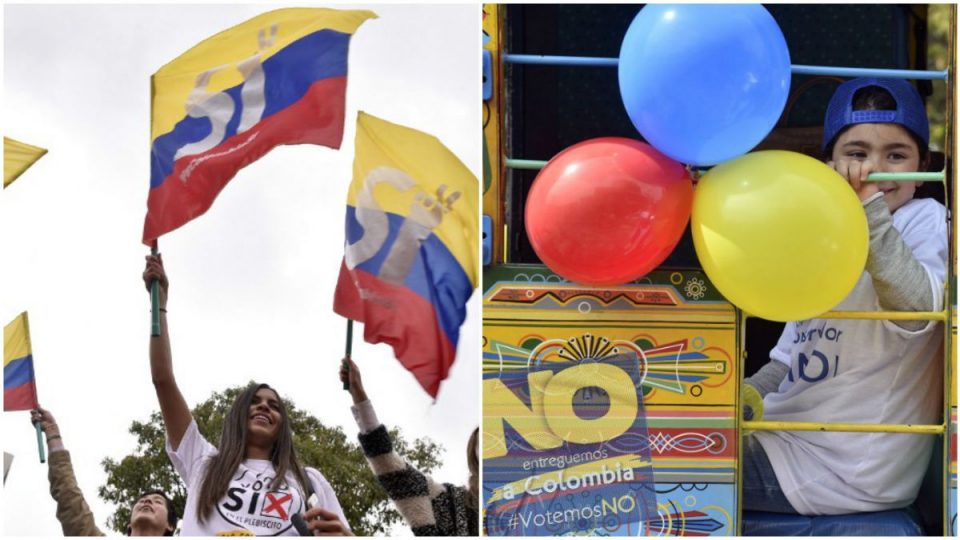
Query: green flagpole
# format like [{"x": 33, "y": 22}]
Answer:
[
  {"x": 346, "y": 383},
  {"x": 154, "y": 300},
  {"x": 43, "y": 457}
]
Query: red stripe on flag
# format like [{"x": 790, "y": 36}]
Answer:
[
  {"x": 317, "y": 118},
  {"x": 21, "y": 398},
  {"x": 401, "y": 318}
]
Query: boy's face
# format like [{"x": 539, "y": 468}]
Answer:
[{"x": 882, "y": 148}]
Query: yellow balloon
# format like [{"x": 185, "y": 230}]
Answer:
[{"x": 781, "y": 235}]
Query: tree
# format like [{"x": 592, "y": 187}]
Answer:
[{"x": 328, "y": 449}]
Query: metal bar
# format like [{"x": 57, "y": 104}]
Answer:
[
  {"x": 796, "y": 69},
  {"x": 886, "y": 315},
  {"x": 525, "y": 164},
  {"x": 547, "y": 60},
  {"x": 933, "y": 75},
  {"x": 535, "y": 164},
  {"x": 907, "y": 177},
  {"x": 922, "y": 429}
]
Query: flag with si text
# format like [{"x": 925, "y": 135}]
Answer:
[
  {"x": 279, "y": 78},
  {"x": 412, "y": 237}
]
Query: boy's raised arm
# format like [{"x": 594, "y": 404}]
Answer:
[{"x": 901, "y": 282}]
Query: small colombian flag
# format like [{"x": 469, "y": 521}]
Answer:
[
  {"x": 19, "y": 382},
  {"x": 17, "y": 158}
]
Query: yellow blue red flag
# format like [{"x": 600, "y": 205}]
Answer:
[
  {"x": 279, "y": 78},
  {"x": 17, "y": 158},
  {"x": 412, "y": 238},
  {"x": 19, "y": 382}
]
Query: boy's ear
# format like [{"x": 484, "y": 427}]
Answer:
[{"x": 925, "y": 164}]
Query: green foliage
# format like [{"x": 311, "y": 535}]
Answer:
[{"x": 327, "y": 449}]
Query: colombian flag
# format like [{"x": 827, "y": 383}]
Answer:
[
  {"x": 279, "y": 78},
  {"x": 17, "y": 158},
  {"x": 411, "y": 246},
  {"x": 19, "y": 383}
]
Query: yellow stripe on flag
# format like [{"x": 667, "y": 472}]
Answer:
[
  {"x": 17, "y": 158},
  {"x": 173, "y": 82},
  {"x": 16, "y": 339},
  {"x": 434, "y": 169}
]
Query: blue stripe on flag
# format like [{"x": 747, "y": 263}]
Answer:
[
  {"x": 436, "y": 275},
  {"x": 18, "y": 372},
  {"x": 288, "y": 75}
]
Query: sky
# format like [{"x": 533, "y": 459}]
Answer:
[{"x": 251, "y": 281}]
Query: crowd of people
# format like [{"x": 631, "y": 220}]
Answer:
[{"x": 253, "y": 482}]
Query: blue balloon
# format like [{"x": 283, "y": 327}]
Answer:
[{"x": 704, "y": 83}]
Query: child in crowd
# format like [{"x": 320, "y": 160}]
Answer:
[{"x": 860, "y": 371}]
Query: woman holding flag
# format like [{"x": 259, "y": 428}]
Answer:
[{"x": 253, "y": 483}]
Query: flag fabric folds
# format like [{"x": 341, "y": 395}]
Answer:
[
  {"x": 279, "y": 78},
  {"x": 17, "y": 158},
  {"x": 19, "y": 383},
  {"x": 412, "y": 238}
]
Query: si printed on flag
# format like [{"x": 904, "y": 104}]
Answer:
[
  {"x": 279, "y": 78},
  {"x": 412, "y": 237}
]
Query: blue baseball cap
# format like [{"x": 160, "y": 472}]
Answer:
[{"x": 910, "y": 112}]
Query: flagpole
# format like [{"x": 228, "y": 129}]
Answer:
[
  {"x": 43, "y": 458},
  {"x": 346, "y": 383},
  {"x": 154, "y": 299}
]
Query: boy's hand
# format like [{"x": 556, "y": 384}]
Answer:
[{"x": 855, "y": 173}]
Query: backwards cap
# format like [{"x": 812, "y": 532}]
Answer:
[{"x": 910, "y": 112}]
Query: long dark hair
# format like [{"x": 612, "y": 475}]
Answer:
[{"x": 232, "y": 451}]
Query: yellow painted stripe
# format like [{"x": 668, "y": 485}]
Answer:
[
  {"x": 173, "y": 82},
  {"x": 16, "y": 339}
]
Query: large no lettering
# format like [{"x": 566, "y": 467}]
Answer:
[
  {"x": 551, "y": 419},
  {"x": 563, "y": 420},
  {"x": 781, "y": 235}
]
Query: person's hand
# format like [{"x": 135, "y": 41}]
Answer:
[
  {"x": 48, "y": 424},
  {"x": 855, "y": 172},
  {"x": 351, "y": 375},
  {"x": 325, "y": 523},
  {"x": 155, "y": 271}
]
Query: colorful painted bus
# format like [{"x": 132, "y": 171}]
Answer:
[{"x": 668, "y": 460}]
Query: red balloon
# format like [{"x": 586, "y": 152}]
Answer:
[{"x": 607, "y": 211}]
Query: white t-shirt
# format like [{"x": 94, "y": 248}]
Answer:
[
  {"x": 250, "y": 504},
  {"x": 861, "y": 371}
]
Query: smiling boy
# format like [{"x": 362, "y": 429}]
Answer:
[{"x": 873, "y": 372}]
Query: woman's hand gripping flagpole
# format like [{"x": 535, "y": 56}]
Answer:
[{"x": 346, "y": 360}]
